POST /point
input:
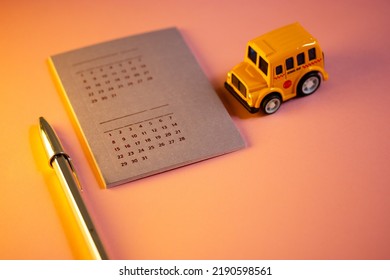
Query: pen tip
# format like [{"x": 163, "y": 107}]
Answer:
[{"x": 42, "y": 122}]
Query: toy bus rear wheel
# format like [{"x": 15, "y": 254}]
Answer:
[
  {"x": 271, "y": 104},
  {"x": 309, "y": 84}
]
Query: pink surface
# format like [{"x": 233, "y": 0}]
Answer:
[{"x": 313, "y": 182}]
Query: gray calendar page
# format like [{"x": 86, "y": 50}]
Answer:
[{"x": 144, "y": 105}]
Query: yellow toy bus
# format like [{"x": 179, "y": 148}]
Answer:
[{"x": 278, "y": 66}]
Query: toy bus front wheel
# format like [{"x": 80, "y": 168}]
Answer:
[{"x": 271, "y": 104}]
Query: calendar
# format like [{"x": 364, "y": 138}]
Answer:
[{"x": 143, "y": 106}]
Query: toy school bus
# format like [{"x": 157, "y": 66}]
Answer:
[{"x": 278, "y": 66}]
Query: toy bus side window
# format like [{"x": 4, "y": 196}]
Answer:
[
  {"x": 263, "y": 65},
  {"x": 279, "y": 70},
  {"x": 301, "y": 58},
  {"x": 289, "y": 63},
  {"x": 312, "y": 54}
]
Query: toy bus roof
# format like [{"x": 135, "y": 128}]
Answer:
[{"x": 282, "y": 40}]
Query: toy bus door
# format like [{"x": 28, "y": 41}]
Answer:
[{"x": 292, "y": 67}]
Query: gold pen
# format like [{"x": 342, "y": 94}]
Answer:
[{"x": 62, "y": 164}]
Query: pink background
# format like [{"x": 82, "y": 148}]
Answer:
[{"x": 313, "y": 182}]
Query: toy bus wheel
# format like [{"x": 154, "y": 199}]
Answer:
[
  {"x": 309, "y": 84},
  {"x": 271, "y": 104}
]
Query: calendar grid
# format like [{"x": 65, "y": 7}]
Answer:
[
  {"x": 118, "y": 62},
  {"x": 139, "y": 122},
  {"x": 104, "y": 82}
]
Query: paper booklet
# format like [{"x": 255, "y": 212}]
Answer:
[{"x": 143, "y": 106}]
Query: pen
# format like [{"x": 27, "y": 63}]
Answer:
[{"x": 62, "y": 164}]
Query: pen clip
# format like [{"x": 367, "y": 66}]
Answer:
[{"x": 74, "y": 173}]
